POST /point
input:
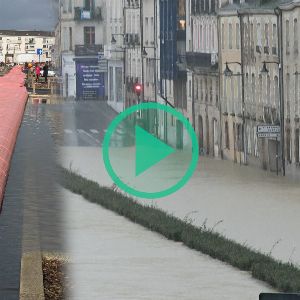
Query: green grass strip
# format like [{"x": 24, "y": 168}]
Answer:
[{"x": 284, "y": 277}]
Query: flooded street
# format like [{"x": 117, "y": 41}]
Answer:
[
  {"x": 102, "y": 247},
  {"x": 112, "y": 258},
  {"x": 244, "y": 203}
]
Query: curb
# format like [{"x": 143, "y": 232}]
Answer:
[{"x": 31, "y": 278}]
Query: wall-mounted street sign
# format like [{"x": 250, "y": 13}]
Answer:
[
  {"x": 279, "y": 297},
  {"x": 268, "y": 131},
  {"x": 39, "y": 51},
  {"x": 102, "y": 62}
]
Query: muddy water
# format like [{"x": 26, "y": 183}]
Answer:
[
  {"x": 246, "y": 204},
  {"x": 112, "y": 258}
]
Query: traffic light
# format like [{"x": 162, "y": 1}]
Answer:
[{"x": 138, "y": 89}]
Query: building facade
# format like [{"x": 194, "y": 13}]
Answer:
[
  {"x": 203, "y": 75},
  {"x": 82, "y": 34},
  {"x": 290, "y": 19},
  {"x": 249, "y": 97},
  {"x": 115, "y": 54},
  {"x": 21, "y": 46}
]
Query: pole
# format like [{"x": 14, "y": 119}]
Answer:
[
  {"x": 124, "y": 58},
  {"x": 278, "y": 12},
  {"x": 142, "y": 45},
  {"x": 243, "y": 89},
  {"x": 277, "y": 156}
]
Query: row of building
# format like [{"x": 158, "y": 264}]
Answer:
[
  {"x": 227, "y": 65},
  {"x": 18, "y": 46}
]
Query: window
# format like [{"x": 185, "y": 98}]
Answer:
[
  {"x": 253, "y": 88},
  {"x": 288, "y": 110},
  {"x": 267, "y": 35},
  {"x": 260, "y": 96},
  {"x": 259, "y": 39},
  {"x": 287, "y": 36},
  {"x": 297, "y": 146},
  {"x": 88, "y": 4},
  {"x": 147, "y": 30},
  {"x": 230, "y": 36},
  {"x": 223, "y": 36},
  {"x": 89, "y": 35},
  {"x": 70, "y": 6},
  {"x": 296, "y": 37},
  {"x": 268, "y": 90},
  {"x": 227, "y": 144},
  {"x": 276, "y": 93},
  {"x": 70, "y": 39},
  {"x": 237, "y": 36},
  {"x": 274, "y": 40},
  {"x": 65, "y": 7},
  {"x": 297, "y": 95}
]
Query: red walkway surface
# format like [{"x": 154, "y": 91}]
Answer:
[{"x": 13, "y": 97}]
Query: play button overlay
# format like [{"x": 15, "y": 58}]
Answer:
[{"x": 150, "y": 150}]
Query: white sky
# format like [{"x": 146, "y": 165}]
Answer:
[{"x": 28, "y": 14}]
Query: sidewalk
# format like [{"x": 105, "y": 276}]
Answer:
[
  {"x": 249, "y": 205},
  {"x": 112, "y": 258},
  {"x": 13, "y": 97}
]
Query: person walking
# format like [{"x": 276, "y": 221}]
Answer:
[
  {"x": 46, "y": 69},
  {"x": 37, "y": 72}
]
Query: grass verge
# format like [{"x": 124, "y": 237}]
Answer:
[
  {"x": 284, "y": 277},
  {"x": 54, "y": 277}
]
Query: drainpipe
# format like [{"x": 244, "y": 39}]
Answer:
[
  {"x": 243, "y": 89},
  {"x": 219, "y": 89},
  {"x": 278, "y": 13}
]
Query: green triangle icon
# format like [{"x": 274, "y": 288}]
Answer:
[{"x": 149, "y": 150}]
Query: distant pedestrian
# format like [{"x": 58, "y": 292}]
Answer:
[
  {"x": 46, "y": 69},
  {"x": 37, "y": 72}
]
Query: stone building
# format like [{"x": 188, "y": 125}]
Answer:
[
  {"x": 82, "y": 34},
  {"x": 115, "y": 53},
  {"x": 291, "y": 77},
  {"x": 21, "y": 46},
  {"x": 249, "y": 97},
  {"x": 133, "y": 48},
  {"x": 203, "y": 74}
]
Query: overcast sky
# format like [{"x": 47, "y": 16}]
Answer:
[{"x": 28, "y": 14}]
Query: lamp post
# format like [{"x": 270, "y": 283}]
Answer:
[
  {"x": 228, "y": 72},
  {"x": 265, "y": 71}
]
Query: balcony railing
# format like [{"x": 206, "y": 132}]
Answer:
[
  {"x": 88, "y": 50},
  {"x": 202, "y": 60},
  {"x": 83, "y": 14}
]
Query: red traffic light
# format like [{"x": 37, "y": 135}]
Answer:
[{"x": 138, "y": 89}]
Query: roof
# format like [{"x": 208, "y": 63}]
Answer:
[{"x": 26, "y": 33}]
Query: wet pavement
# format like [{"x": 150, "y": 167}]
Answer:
[{"x": 31, "y": 200}]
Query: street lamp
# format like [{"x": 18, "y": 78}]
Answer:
[
  {"x": 113, "y": 39},
  {"x": 228, "y": 73},
  {"x": 264, "y": 69}
]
